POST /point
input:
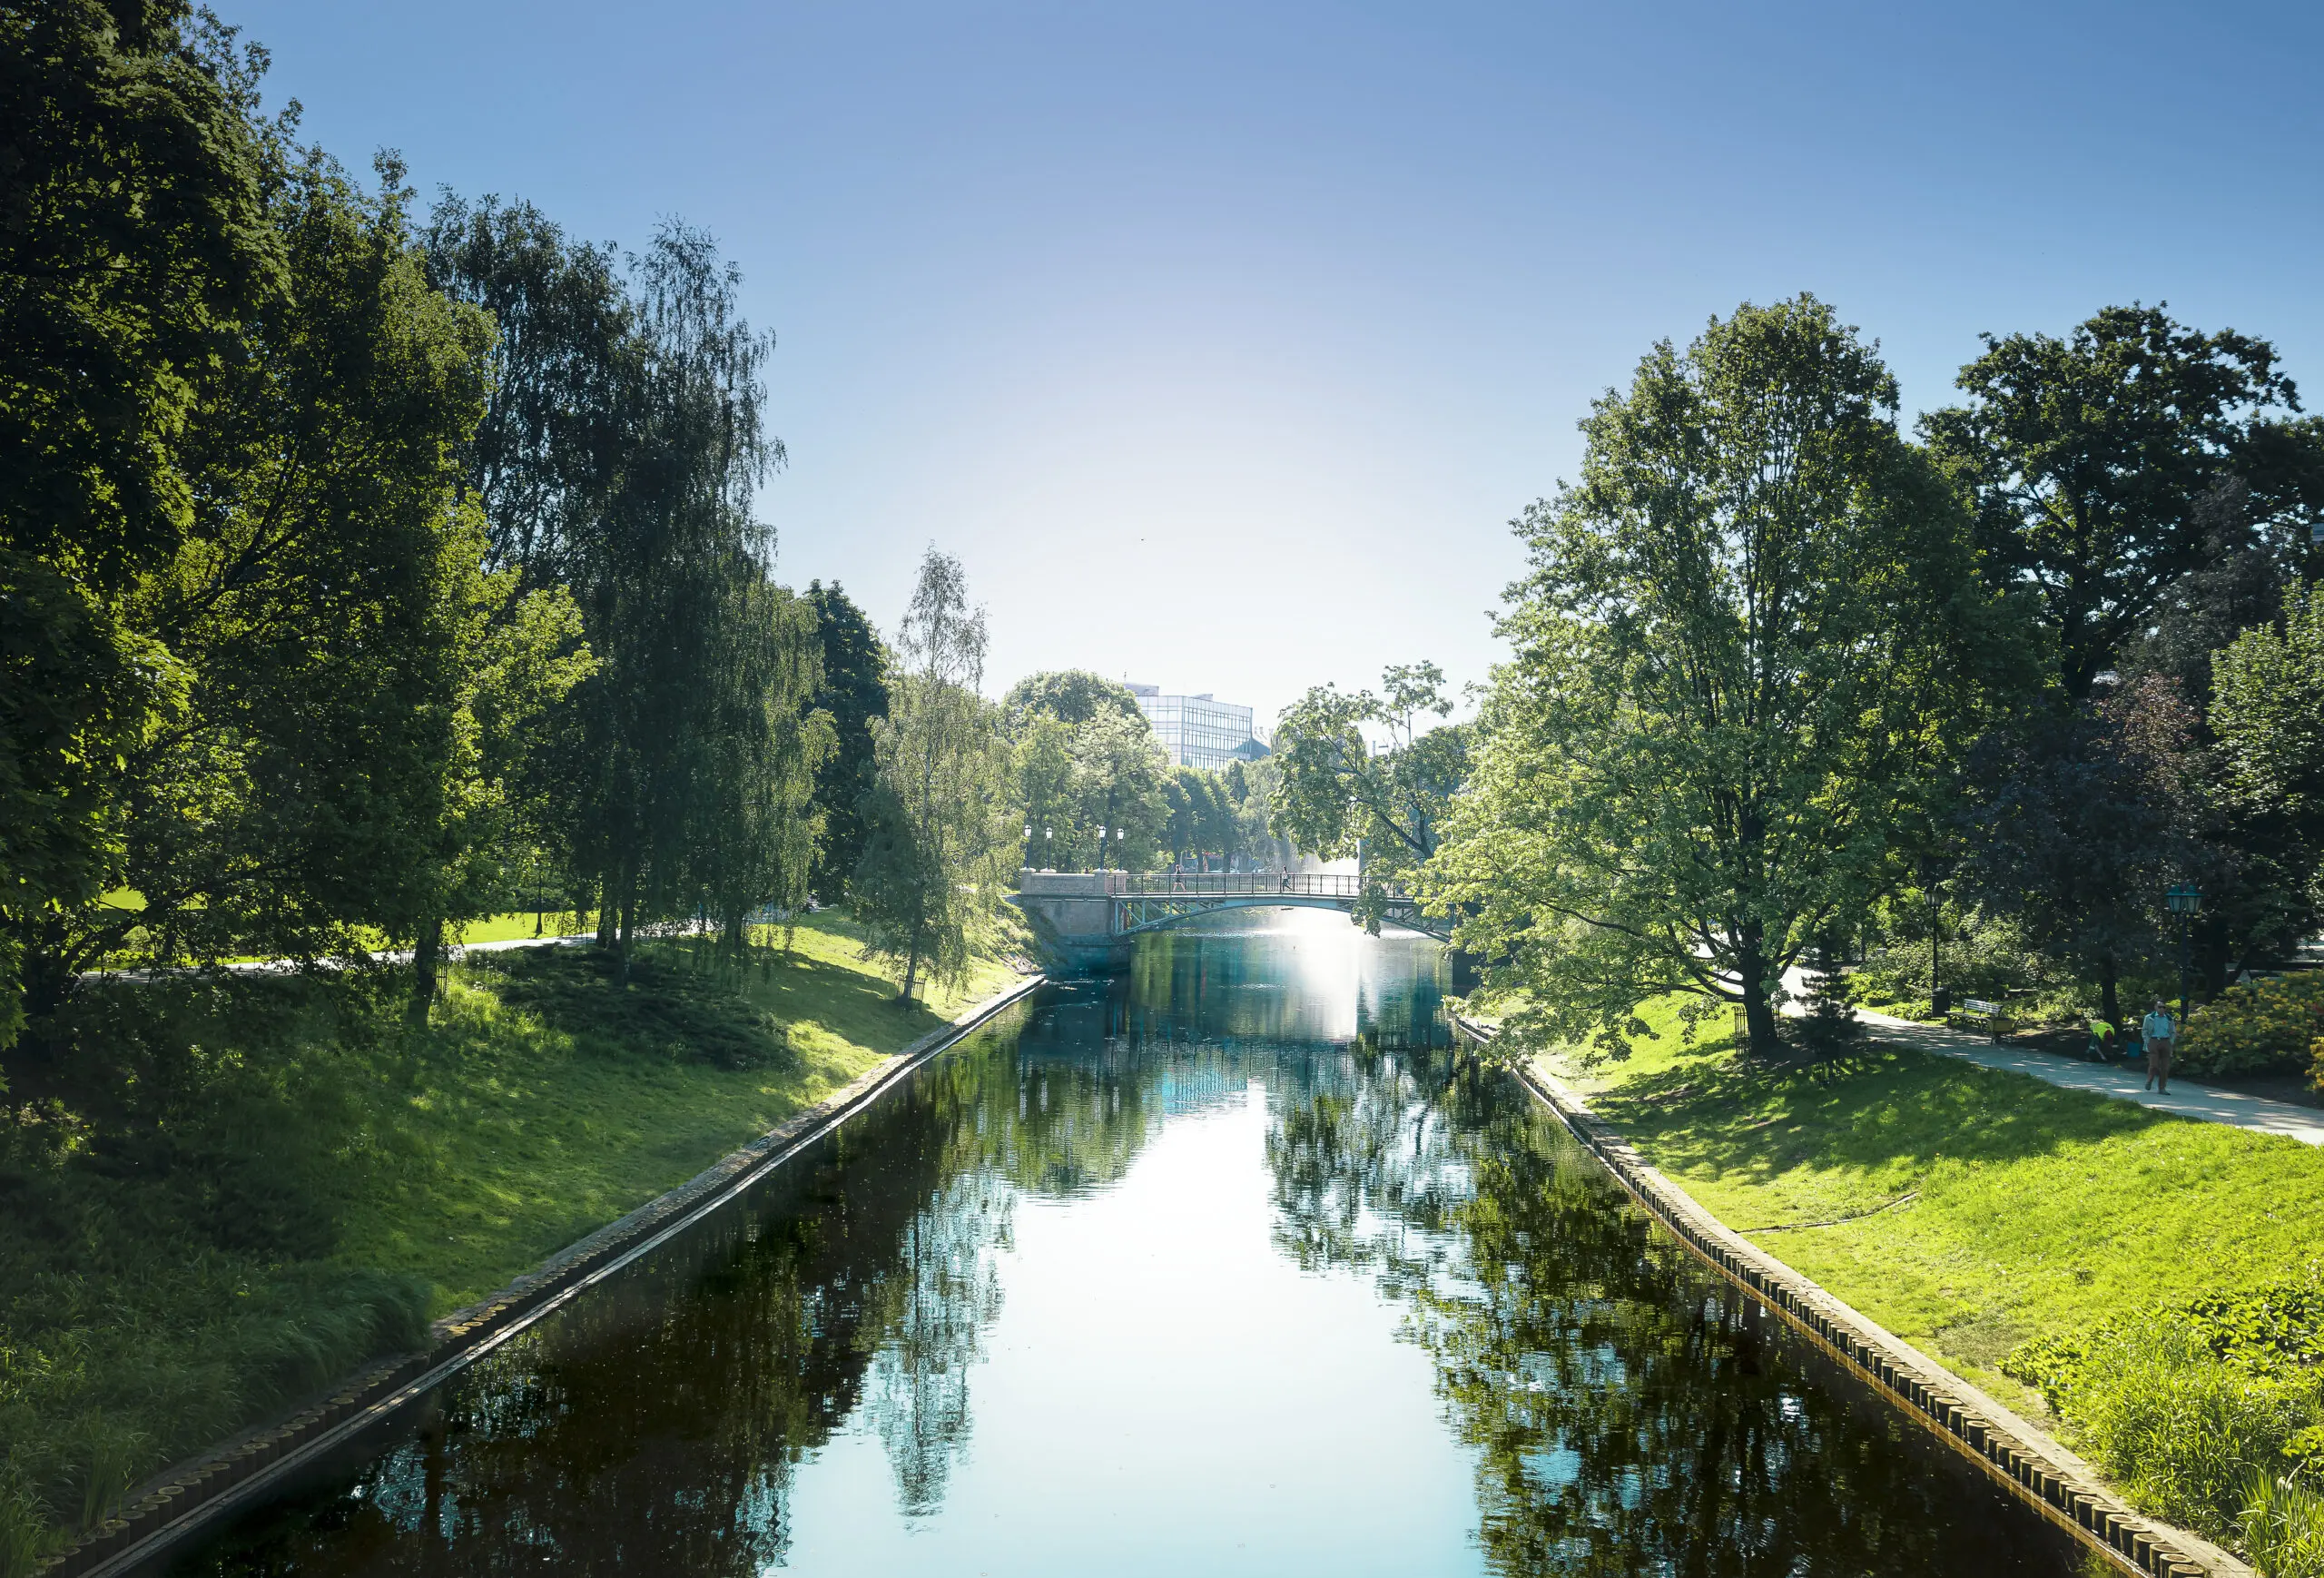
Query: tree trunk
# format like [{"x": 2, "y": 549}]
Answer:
[
  {"x": 605, "y": 913},
  {"x": 2110, "y": 1006},
  {"x": 426, "y": 952},
  {"x": 911, "y": 966},
  {"x": 621, "y": 940},
  {"x": 1759, "y": 1011}
]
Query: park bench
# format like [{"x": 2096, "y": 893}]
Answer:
[{"x": 1975, "y": 1013}]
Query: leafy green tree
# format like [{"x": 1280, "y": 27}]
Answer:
[
  {"x": 854, "y": 692},
  {"x": 1043, "y": 765},
  {"x": 1070, "y": 696},
  {"x": 2093, "y": 461},
  {"x": 136, "y": 248},
  {"x": 2268, "y": 707},
  {"x": 545, "y": 459},
  {"x": 1118, "y": 773},
  {"x": 939, "y": 841},
  {"x": 2142, "y": 481},
  {"x": 1743, "y": 655},
  {"x": 1336, "y": 796},
  {"x": 2074, "y": 826},
  {"x": 666, "y": 602}
]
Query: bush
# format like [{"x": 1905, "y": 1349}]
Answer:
[
  {"x": 2256, "y": 1027},
  {"x": 2187, "y": 1408}
]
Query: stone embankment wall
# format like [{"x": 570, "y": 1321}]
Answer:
[
  {"x": 2039, "y": 1471},
  {"x": 192, "y": 1497}
]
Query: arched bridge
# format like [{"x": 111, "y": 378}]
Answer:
[{"x": 1086, "y": 919}]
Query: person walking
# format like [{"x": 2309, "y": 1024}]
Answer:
[{"x": 2159, "y": 1032}]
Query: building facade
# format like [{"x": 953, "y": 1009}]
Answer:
[{"x": 1199, "y": 731}]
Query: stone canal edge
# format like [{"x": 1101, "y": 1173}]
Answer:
[
  {"x": 191, "y": 1496},
  {"x": 2023, "y": 1460}
]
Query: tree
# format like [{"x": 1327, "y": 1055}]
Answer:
[
  {"x": 2093, "y": 460},
  {"x": 854, "y": 691},
  {"x": 1336, "y": 796},
  {"x": 937, "y": 839},
  {"x": 2073, "y": 822},
  {"x": 1742, "y": 656},
  {"x": 1070, "y": 696},
  {"x": 1118, "y": 773},
  {"x": 2268, "y": 710},
  {"x": 137, "y": 246}
]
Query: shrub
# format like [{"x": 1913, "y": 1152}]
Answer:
[
  {"x": 2256, "y": 1027},
  {"x": 2183, "y": 1406}
]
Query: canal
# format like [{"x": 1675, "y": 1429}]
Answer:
[{"x": 1227, "y": 1268}]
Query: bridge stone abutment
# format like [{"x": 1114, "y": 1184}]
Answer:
[{"x": 1073, "y": 917}]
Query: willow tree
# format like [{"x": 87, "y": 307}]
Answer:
[
  {"x": 939, "y": 840},
  {"x": 1742, "y": 659}
]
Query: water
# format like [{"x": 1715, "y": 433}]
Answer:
[{"x": 1228, "y": 1268}]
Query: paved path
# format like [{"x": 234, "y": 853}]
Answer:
[{"x": 2305, "y": 1124}]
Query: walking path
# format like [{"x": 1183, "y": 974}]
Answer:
[{"x": 2305, "y": 1124}]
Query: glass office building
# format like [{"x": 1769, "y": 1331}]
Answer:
[{"x": 1199, "y": 731}]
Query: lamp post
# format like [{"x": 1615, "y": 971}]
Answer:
[
  {"x": 2184, "y": 899},
  {"x": 1933, "y": 872}
]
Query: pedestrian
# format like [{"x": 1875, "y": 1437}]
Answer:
[{"x": 2159, "y": 1032}]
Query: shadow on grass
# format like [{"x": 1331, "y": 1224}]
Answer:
[{"x": 1873, "y": 1109}]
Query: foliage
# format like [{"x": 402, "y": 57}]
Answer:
[
  {"x": 1748, "y": 649},
  {"x": 1335, "y": 796},
  {"x": 137, "y": 248},
  {"x": 1088, "y": 774},
  {"x": 2281, "y": 1527},
  {"x": 2074, "y": 822},
  {"x": 939, "y": 841},
  {"x": 2181, "y": 1405},
  {"x": 2259, "y": 1026},
  {"x": 2091, "y": 459},
  {"x": 854, "y": 691},
  {"x": 252, "y": 1183},
  {"x": 2267, "y": 709},
  {"x": 1070, "y": 696},
  {"x": 1203, "y": 817}
]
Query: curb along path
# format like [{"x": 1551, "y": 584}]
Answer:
[
  {"x": 2039, "y": 1471},
  {"x": 188, "y": 1497}
]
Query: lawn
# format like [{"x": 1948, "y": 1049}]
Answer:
[
  {"x": 1989, "y": 1208},
  {"x": 229, "y": 1192}
]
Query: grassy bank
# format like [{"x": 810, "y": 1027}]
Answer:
[
  {"x": 1990, "y": 1218},
  {"x": 227, "y": 1193}
]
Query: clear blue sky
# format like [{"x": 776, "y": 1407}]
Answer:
[{"x": 1222, "y": 341}]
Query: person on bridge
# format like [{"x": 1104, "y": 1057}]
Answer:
[{"x": 2159, "y": 1032}]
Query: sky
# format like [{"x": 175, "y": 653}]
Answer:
[{"x": 1222, "y": 342}]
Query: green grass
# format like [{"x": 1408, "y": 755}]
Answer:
[
  {"x": 2035, "y": 1210},
  {"x": 1970, "y": 1211},
  {"x": 225, "y": 1194}
]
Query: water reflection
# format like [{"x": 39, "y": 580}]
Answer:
[{"x": 1229, "y": 1265}]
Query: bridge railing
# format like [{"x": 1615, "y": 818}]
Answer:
[{"x": 1238, "y": 884}]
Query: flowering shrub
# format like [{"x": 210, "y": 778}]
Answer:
[{"x": 2260, "y": 1026}]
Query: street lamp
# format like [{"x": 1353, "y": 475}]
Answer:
[{"x": 2184, "y": 899}]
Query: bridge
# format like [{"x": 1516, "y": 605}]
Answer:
[{"x": 1090, "y": 920}]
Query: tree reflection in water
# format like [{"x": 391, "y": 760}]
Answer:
[
  {"x": 1623, "y": 1413},
  {"x": 1631, "y": 1414}
]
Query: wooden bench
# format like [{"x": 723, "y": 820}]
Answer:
[{"x": 1975, "y": 1013}]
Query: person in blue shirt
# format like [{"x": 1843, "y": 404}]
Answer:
[{"x": 2160, "y": 1033}]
